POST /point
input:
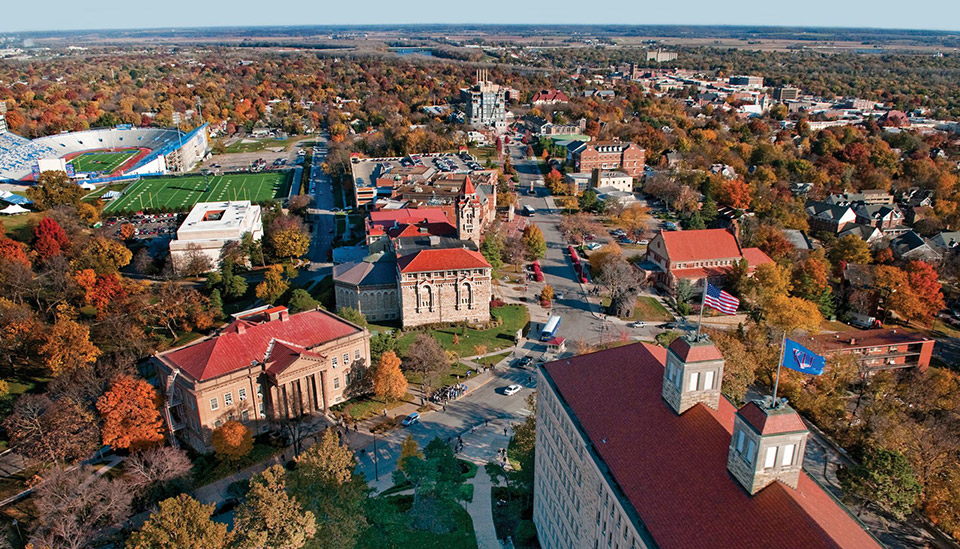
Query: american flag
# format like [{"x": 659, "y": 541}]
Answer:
[{"x": 720, "y": 300}]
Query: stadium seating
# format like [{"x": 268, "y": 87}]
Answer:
[{"x": 18, "y": 155}]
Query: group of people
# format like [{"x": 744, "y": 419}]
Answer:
[{"x": 450, "y": 392}]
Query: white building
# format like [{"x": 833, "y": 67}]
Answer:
[
  {"x": 605, "y": 181},
  {"x": 211, "y": 225}
]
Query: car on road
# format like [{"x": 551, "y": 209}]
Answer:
[
  {"x": 637, "y": 324},
  {"x": 643, "y": 242},
  {"x": 593, "y": 246},
  {"x": 512, "y": 390},
  {"x": 558, "y": 295},
  {"x": 411, "y": 419}
]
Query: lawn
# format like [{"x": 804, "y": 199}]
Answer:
[
  {"x": 102, "y": 161},
  {"x": 515, "y": 317},
  {"x": 20, "y": 227},
  {"x": 491, "y": 360},
  {"x": 462, "y": 536},
  {"x": 647, "y": 309},
  {"x": 361, "y": 408},
  {"x": 181, "y": 193},
  {"x": 208, "y": 468},
  {"x": 247, "y": 145}
]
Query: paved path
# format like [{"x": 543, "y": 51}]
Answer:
[{"x": 481, "y": 511}]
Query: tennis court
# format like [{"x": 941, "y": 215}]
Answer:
[{"x": 181, "y": 193}]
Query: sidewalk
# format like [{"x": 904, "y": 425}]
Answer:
[{"x": 481, "y": 511}]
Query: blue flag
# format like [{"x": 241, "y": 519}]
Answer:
[{"x": 799, "y": 358}]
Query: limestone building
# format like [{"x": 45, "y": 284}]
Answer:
[
  {"x": 211, "y": 225},
  {"x": 264, "y": 366},
  {"x": 444, "y": 285},
  {"x": 637, "y": 448}
]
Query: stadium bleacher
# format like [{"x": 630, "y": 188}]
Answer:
[{"x": 19, "y": 155}]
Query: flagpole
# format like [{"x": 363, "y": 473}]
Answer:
[
  {"x": 706, "y": 282},
  {"x": 783, "y": 342}
]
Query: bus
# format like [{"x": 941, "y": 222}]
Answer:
[
  {"x": 528, "y": 210},
  {"x": 550, "y": 328}
]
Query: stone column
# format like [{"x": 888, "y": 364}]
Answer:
[
  {"x": 273, "y": 410},
  {"x": 323, "y": 391}
]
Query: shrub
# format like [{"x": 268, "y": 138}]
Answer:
[{"x": 525, "y": 533}]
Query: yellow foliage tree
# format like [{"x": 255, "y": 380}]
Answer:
[
  {"x": 388, "y": 381},
  {"x": 273, "y": 285},
  {"x": 66, "y": 347},
  {"x": 634, "y": 218},
  {"x": 232, "y": 441},
  {"x": 792, "y": 314}
]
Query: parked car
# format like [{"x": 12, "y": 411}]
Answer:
[
  {"x": 524, "y": 362},
  {"x": 512, "y": 390},
  {"x": 558, "y": 295},
  {"x": 411, "y": 419},
  {"x": 637, "y": 324}
]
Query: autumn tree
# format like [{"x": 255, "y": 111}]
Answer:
[
  {"x": 103, "y": 255},
  {"x": 156, "y": 467},
  {"x": 76, "y": 507},
  {"x": 810, "y": 277},
  {"x": 620, "y": 279},
  {"x": 181, "y": 522},
  {"x": 769, "y": 280},
  {"x": 792, "y": 314},
  {"x": 734, "y": 193},
  {"x": 849, "y": 249},
  {"x": 546, "y": 294},
  {"x": 270, "y": 517},
  {"x": 49, "y": 238},
  {"x": 131, "y": 415},
  {"x": 232, "y": 441},
  {"x": 634, "y": 219},
  {"x": 273, "y": 286},
  {"x": 287, "y": 236},
  {"x": 772, "y": 241},
  {"x": 54, "y": 188},
  {"x": 13, "y": 251},
  {"x": 408, "y": 449},
  {"x": 924, "y": 283},
  {"x": 194, "y": 262},
  {"x": 893, "y": 286},
  {"x": 554, "y": 182},
  {"x": 389, "y": 382},
  {"x": 536, "y": 245},
  {"x": 324, "y": 483},
  {"x": 739, "y": 365},
  {"x": 426, "y": 358},
  {"x": 55, "y": 430},
  {"x": 99, "y": 290},
  {"x": 66, "y": 347}
]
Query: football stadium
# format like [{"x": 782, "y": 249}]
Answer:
[{"x": 99, "y": 155}]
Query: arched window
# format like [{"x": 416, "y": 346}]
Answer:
[
  {"x": 425, "y": 298},
  {"x": 466, "y": 295}
]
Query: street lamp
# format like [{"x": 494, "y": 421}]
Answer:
[{"x": 376, "y": 465}]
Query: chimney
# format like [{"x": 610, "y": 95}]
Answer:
[
  {"x": 284, "y": 315},
  {"x": 241, "y": 327},
  {"x": 853, "y": 340},
  {"x": 768, "y": 443},
  {"x": 693, "y": 374}
]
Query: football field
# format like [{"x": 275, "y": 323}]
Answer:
[
  {"x": 179, "y": 194},
  {"x": 102, "y": 161}
]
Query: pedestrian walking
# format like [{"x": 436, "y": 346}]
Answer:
[
  {"x": 504, "y": 431},
  {"x": 460, "y": 440},
  {"x": 384, "y": 412}
]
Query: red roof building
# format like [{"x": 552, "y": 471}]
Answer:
[
  {"x": 696, "y": 255},
  {"x": 448, "y": 259},
  {"x": 262, "y": 366},
  {"x": 549, "y": 97},
  {"x": 881, "y": 349},
  {"x": 617, "y": 466}
]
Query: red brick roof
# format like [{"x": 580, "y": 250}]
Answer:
[
  {"x": 242, "y": 343},
  {"x": 550, "y": 95},
  {"x": 468, "y": 188},
  {"x": 449, "y": 259},
  {"x": 673, "y": 469},
  {"x": 407, "y": 216},
  {"x": 694, "y": 353},
  {"x": 755, "y": 256},
  {"x": 768, "y": 423},
  {"x": 700, "y": 245}
]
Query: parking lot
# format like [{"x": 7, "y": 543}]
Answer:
[{"x": 146, "y": 226}]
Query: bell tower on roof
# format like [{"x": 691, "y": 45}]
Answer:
[
  {"x": 768, "y": 443},
  {"x": 468, "y": 213},
  {"x": 693, "y": 373}
]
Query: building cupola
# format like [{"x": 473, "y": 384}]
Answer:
[
  {"x": 768, "y": 443},
  {"x": 693, "y": 373}
]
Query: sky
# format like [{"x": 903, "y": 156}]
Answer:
[{"x": 19, "y": 15}]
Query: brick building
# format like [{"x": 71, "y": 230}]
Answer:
[
  {"x": 264, "y": 366},
  {"x": 696, "y": 255},
  {"x": 607, "y": 155},
  {"x": 647, "y": 453},
  {"x": 881, "y": 349},
  {"x": 444, "y": 285}
]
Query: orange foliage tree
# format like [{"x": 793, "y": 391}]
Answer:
[
  {"x": 388, "y": 381},
  {"x": 232, "y": 441},
  {"x": 734, "y": 193},
  {"x": 11, "y": 250},
  {"x": 49, "y": 238},
  {"x": 99, "y": 290},
  {"x": 131, "y": 415},
  {"x": 925, "y": 285},
  {"x": 66, "y": 347}
]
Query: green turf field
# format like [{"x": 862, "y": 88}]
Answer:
[
  {"x": 181, "y": 193},
  {"x": 106, "y": 162}
]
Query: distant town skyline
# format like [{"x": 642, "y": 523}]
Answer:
[{"x": 62, "y": 15}]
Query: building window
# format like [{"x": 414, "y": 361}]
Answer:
[
  {"x": 694, "y": 381},
  {"x": 787, "y": 455},
  {"x": 333, "y": 361},
  {"x": 740, "y": 439},
  {"x": 770, "y": 459},
  {"x": 214, "y": 405},
  {"x": 228, "y": 399},
  {"x": 259, "y": 391},
  {"x": 245, "y": 415},
  {"x": 346, "y": 358},
  {"x": 242, "y": 394},
  {"x": 750, "y": 450},
  {"x": 708, "y": 380},
  {"x": 260, "y": 409},
  {"x": 336, "y": 382},
  {"x": 356, "y": 354}
]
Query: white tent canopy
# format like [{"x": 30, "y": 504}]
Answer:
[{"x": 14, "y": 209}]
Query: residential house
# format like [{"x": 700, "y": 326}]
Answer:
[
  {"x": 870, "y": 234},
  {"x": 945, "y": 241},
  {"x": 830, "y": 218},
  {"x": 911, "y": 246},
  {"x": 549, "y": 97},
  {"x": 886, "y": 217}
]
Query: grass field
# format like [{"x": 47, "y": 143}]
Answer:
[
  {"x": 181, "y": 193},
  {"x": 254, "y": 145},
  {"x": 106, "y": 162}
]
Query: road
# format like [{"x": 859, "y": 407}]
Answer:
[{"x": 324, "y": 224}]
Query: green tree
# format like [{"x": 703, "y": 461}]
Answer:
[
  {"x": 352, "y": 315},
  {"x": 273, "y": 286},
  {"x": 54, "y": 189},
  {"x": 492, "y": 249},
  {"x": 270, "y": 517},
  {"x": 536, "y": 245},
  {"x": 234, "y": 285},
  {"x": 408, "y": 449},
  {"x": 301, "y": 300},
  {"x": 181, "y": 522},
  {"x": 216, "y": 303},
  {"x": 849, "y": 249},
  {"x": 588, "y": 201},
  {"x": 884, "y": 478}
]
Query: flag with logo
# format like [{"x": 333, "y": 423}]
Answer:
[
  {"x": 720, "y": 300},
  {"x": 799, "y": 358}
]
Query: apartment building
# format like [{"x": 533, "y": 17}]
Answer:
[
  {"x": 607, "y": 156},
  {"x": 647, "y": 453},
  {"x": 485, "y": 104},
  {"x": 265, "y": 366},
  {"x": 880, "y": 349}
]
